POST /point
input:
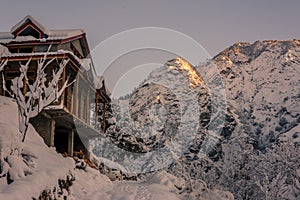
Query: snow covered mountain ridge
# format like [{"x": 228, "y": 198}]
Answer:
[
  {"x": 261, "y": 110},
  {"x": 262, "y": 81}
]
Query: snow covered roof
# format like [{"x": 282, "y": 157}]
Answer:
[
  {"x": 12, "y": 55},
  {"x": 100, "y": 82},
  {"x": 7, "y": 37},
  {"x": 27, "y": 19},
  {"x": 61, "y": 34}
]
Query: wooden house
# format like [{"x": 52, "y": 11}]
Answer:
[{"x": 70, "y": 121}]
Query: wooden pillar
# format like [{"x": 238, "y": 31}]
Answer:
[
  {"x": 76, "y": 97},
  {"x": 71, "y": 96},
  {"x": 64, "y": 94},
  {"x": 103, "y": 117},
  {"x": 52, "y": 132},
  {"x": 71, "y": 142},
  {"x": 96, "y": 110},
  {"x": 88, "y": 111},
  {"x": 88, "y": 150}
]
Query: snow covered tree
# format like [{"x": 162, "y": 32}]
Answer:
[
  {"x": 41, "y": 93},
  {"x": 3, "y": 64},
  {"x": 277, "y": 171}
]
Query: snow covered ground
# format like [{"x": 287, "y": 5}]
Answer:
[
  {"x": 45, "y": 167},
  {"x": 92, "y": 185}
]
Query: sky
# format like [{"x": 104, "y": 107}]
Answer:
[{"x": 215, "y": 24}]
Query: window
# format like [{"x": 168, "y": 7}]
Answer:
[
  {"x": 21, "y": 49},
  {"x": 14, "y": 50},
  {"x": 11, "y": 75},
  {"x": 26, "y": 50},
  {"x": 76, "y": 52}
]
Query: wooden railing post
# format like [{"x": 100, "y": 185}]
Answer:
[{"x": 103, "y": 118}]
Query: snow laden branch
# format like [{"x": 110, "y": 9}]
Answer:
[
  {"x": 3, "y": 63},
  {"x": 41, "y": 93}
]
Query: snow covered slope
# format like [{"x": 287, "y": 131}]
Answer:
[{"x": 41, "y": 164}]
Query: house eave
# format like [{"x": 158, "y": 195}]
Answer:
[{"x": 43, "y": 41}]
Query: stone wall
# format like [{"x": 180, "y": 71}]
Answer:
[{"x": 45, "y": 127}]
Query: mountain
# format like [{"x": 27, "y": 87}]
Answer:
[{"x": 214, "y": 122}]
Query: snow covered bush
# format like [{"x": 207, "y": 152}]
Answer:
[
  {"x": 15, "y": 162},
  {"x": 61, "y": 191},
  {"x": 12, "y": 165}
]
